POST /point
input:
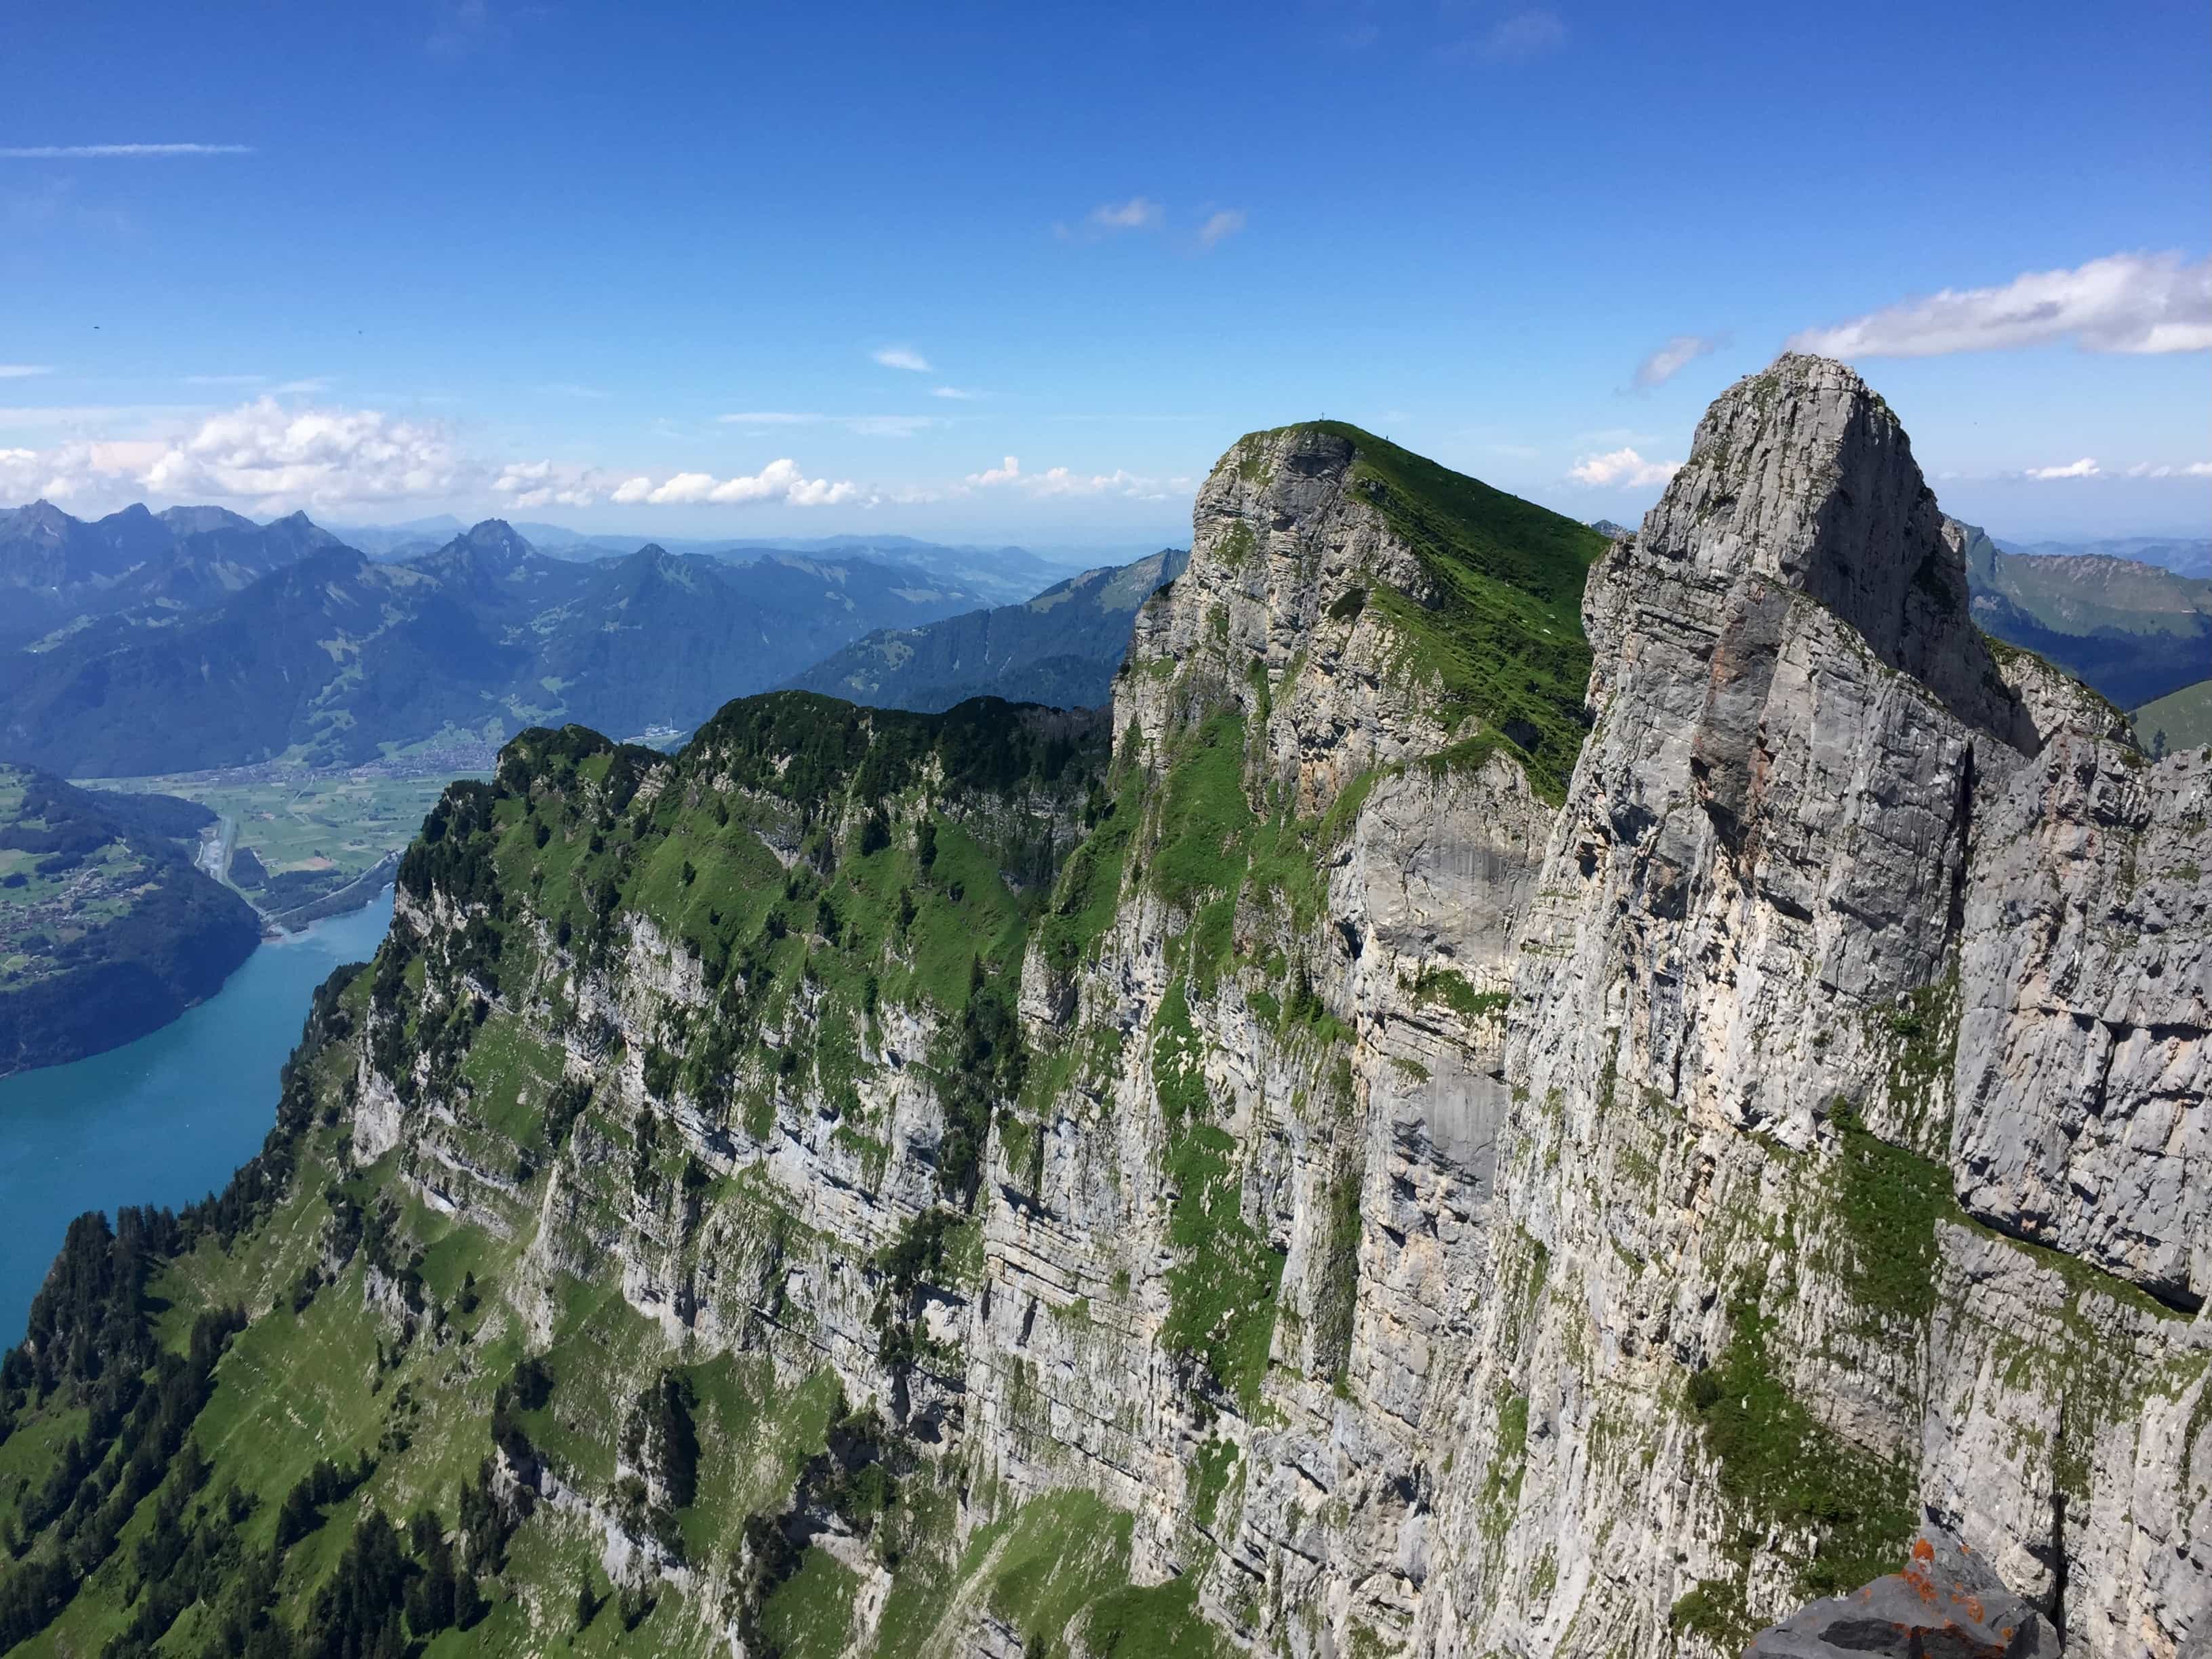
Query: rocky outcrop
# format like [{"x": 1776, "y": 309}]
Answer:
[{"x": 1946, "y": 1604}]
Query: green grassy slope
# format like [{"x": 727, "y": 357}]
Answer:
[
  {"x": 2184, "y": 717},
  {"x": 1504, "y": 636},
  {"x": 215, "y": 1417}
]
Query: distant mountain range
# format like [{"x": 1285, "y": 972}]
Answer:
[
  {"x": 1061, "y": 647},
  {"x": 2185, "y": 556},
  {"x": 2133, "y": 630},
  {"x": 1001, "y": 574},
  {"x": 330, "y": 656},
  {"x": 57, "y": 571},
  {"x": 155, "y": 642}
]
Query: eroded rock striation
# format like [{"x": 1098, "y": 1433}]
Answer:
[{"x": 1521, "y": 1095}]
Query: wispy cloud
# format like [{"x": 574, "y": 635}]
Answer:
[
  {"x": 23, "y": 371},
  {"x": 2193, "y": 469},
  {"x": 105, "y": 152},
  {"x": 53, "y": 417},
  {"x": 1138, "y": 213},
  {"x": 901, "y": 357},
  {"x": 864, "y": 426},
  {"x": 1065, "y": 481},
  {"x": 463, "y": 26},
  {"x": 547, "y": 484},
  {"x": 1622, "y": 469},
  {"x": 2084, "y": 468},
  {"x": 1514, "y": 39},
  {"x": 959, "y": 394},
  {"x": 2126, "y": 302},
  {"x": 1220, "y": 227},
  {"x": 888, "y": 426},
  {"x": 779, "y": 481},
  {"x": 1671, "y": 359},
  {"x": 310, "y": 384},
  {"x": 571, "y": 389}
]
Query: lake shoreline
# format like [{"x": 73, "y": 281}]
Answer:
[{"x": 163, "y": 1120}]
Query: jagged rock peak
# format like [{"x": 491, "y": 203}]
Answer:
[{"x": 1803, "y": 476}]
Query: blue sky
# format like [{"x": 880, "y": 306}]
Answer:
[{"x": 530, "y": 258}]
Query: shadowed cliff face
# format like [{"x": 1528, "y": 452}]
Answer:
[{"x": 1539, "y": 1098}]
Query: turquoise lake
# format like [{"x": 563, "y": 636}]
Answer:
[{"x": 164, "y": 1120}]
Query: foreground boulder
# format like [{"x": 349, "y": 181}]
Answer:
[{"x": 1946, "y": 1604}]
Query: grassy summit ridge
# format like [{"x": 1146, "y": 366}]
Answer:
[{"x": 1502, "y": 631}]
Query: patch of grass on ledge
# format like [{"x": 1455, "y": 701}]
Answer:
[{"x": 1791, "y": 1472}]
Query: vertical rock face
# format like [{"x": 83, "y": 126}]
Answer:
[
  {"x": 1555, "y": 1118},
  {"x": 2082, "y": 1074}
]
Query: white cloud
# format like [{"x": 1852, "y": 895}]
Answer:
[
  {"x": 1065, "y": 481},
  {"x": 960, "y": 394},
  {"x": 23, "y": 371},
  {"x": 1624, "y": 468},
  {"x": 899, "y": 357},
  {"x": 1671, "y": 359},
  {"x": 69, "y": 470},
  {"x": 1221, "y": 226},
  {"x": 1059, "y": 481},
  {"x": 320, "y": 383},
  {"x": 319, "y": 457},
  {"x": 260, "y": 454},
  {"x": 2084, "y": 468},
  {"x": 779, "y": 481},
  {"x": 2193, "y": 469},
  {"x": 102, "y": 152},
  {"x": 2131, "y": 302},
  {"x": 771, "y": 417},
  {"x": 1138, "y": 213}
]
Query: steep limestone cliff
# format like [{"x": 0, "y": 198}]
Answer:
[{"x": 1521, "y": 1096}]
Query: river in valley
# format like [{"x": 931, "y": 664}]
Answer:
[{"x": 164, "y": 1120}]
